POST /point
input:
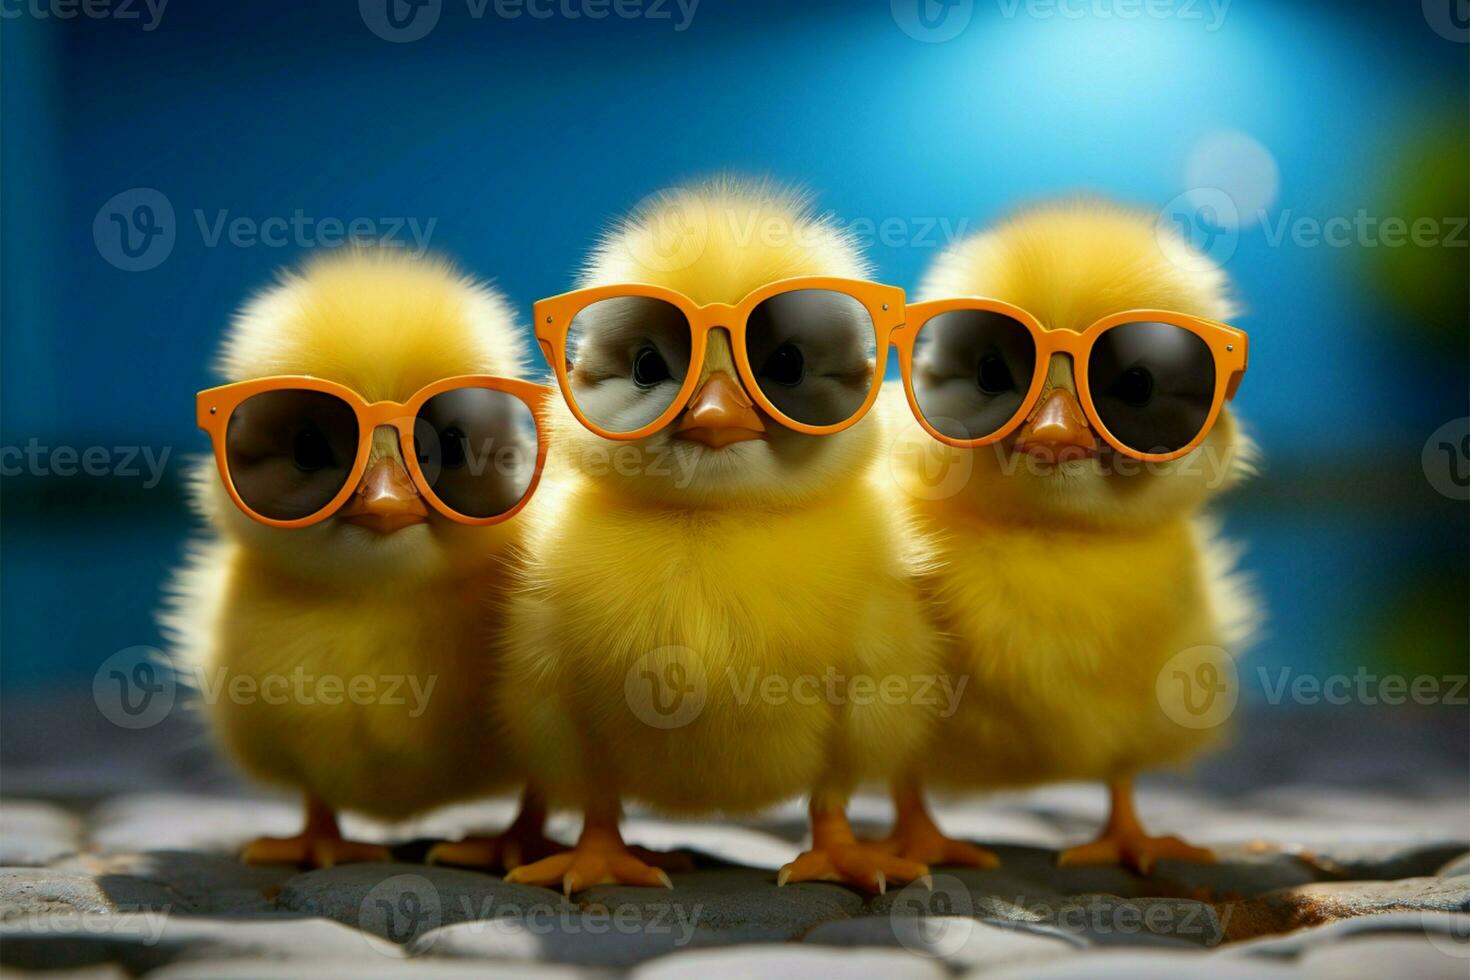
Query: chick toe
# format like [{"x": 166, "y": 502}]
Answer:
[
  {"x": 1135, "y": 851},
  {"x": 589, "y": 864},
  {"x": 312, "y": 851},
  {"x": 506, "y": 851},
  {"x": 861, "y": 865}
]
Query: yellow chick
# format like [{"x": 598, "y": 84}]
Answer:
[
  {"x": 706, "y": 607},
  {"x": 1082, "y": 590},
  {"x": 347, "y": 660}
]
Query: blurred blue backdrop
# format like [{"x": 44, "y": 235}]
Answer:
[{"x": 512, "y": 141}]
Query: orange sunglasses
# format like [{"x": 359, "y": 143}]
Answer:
[
  {"x": 293, "y": 450},
  {"x": 655, "y": 338},
  {"x": 1150, "y": 382}
]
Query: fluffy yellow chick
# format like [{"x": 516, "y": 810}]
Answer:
[
  {"x": 348, "y": 659},
  {"x": 706, "y": 607},
  {"x": 1067, "y": 585}
]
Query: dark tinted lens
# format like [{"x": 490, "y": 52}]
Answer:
[
  {"x": 972, "y": 368},
  {"x": 812, "y": 353},
  {"x": 477, "y": 449},
  {"x": 1152, "y": 385},
  {"x": 290, "y": 452},
  {"x": 627, "y": 357}
]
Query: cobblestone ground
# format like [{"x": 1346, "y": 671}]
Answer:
[{"x": 117, "y": 857}]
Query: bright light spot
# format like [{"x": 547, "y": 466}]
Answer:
[{"x": 1239, "y": 166}]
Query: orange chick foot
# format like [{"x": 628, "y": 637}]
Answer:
[
  {"x": 865, "y": 866},
  {"x": 1137, "y": 851},
  {"x": 312, "y": 851},
  {"x": 506, "y": 851},
  {"x": 594, "y": 861},
  {"x": 926, "y": 845}
]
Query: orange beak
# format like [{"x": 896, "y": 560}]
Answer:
[
  {"x": 386, "y": 500},
  {"x": 720, "y": 414},
  {"x": 1058, "y": 431}
]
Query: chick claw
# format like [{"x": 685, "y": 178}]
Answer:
[
  {"x": 587, "y": 865},
  {"x": 509, "y": 850},
  {"x": 930, "y": 847},
  {"x": 312, "y": 851},
  {"x": 1135, "y": 851},
  {"x": 864, "y": 866}
]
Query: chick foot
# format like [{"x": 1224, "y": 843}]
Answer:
[
  {"x": 523, "y": 842},
  {"x": 917, "y": 837},
  {"x": 319, "y": 845},
  {"x": 1125, "y": 842},
  {"x": 1136, "y": 851},
  {"x": 506, "y": 851},
  {"x": 600, "y": 858},
  {"x": 312, "y": 851},
  {"x": 933, "y": 848},
  {"x": 836, "y": 855}
]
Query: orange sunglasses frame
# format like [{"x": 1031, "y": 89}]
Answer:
[
  {"x": 1228, "y": 345},
  {"x": 214, "y": 406},
  {"x": 553, "y": 317}
]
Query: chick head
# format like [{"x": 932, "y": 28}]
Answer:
[
  {"x": 385, "y": 325},
  {"x": 717, "y": 242},
  {"x": 1070, "y": 264}
]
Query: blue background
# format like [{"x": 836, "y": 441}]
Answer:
[{"x": 521, "y": 138}]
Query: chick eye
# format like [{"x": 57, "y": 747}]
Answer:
[
  {"x": 649, "y": 368},
  {"x": 994, "y": 376},
  {"x": 1134, "y": 386},
  {"x": 310, "y": 451},
  {"x": 785, "y": 365},
  {"x": 452, "y": 453}
]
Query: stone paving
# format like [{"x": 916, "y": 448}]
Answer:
[{"x": 1316, "y": 880}]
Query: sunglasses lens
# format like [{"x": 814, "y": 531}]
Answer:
[
  {"x": 290, "y": 452},
  {"x": 477, "y": 449},
  {"x": 812, "y": 353},
  {"x": 972, "y": 368},
  {"x": 627, "y": 358},
  {"x": 1152, "y": 384}
]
